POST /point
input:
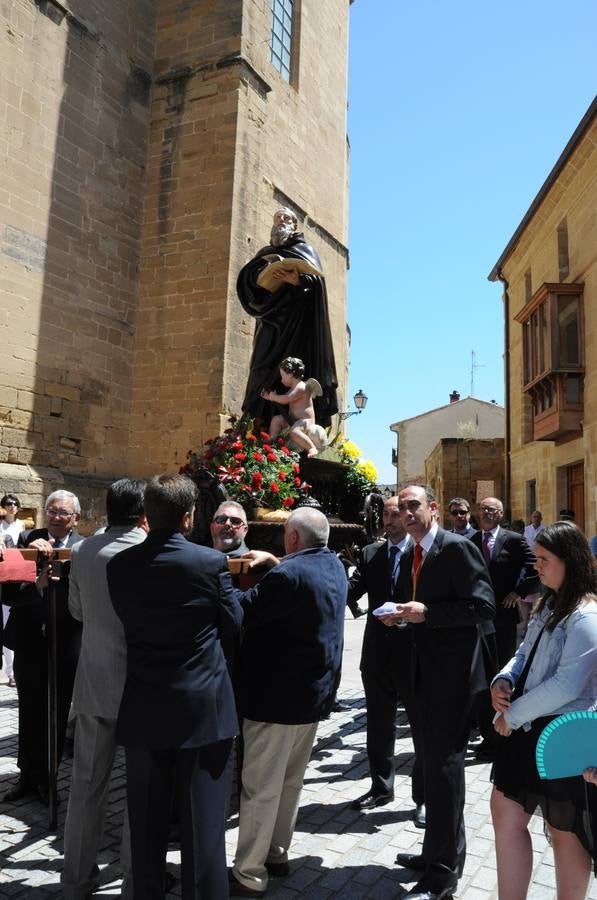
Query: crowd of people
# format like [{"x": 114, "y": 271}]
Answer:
[{"x": 161, "y": 652}]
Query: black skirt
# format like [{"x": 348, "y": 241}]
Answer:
[{"x": 563, "y": 801}]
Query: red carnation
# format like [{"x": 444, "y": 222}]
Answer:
[
  {"x": 296, "y": 468},
  {"x": 271, "y": 457},
  {"x": 282, "y": 476},
  {"x": 258, "y": 457},
  {"x": 297, "y": 482},
  {"x": 237, "y": 445},
  {"x": 285, "y": 450},
  {"x": 267, "y": 448},
  {"x": 265, "y": 435},
  {"x": 281, "y": 442},
  {"x": 251, "y": 437},
  {"x": 240, "y": 457},
  {"x": 288, "y": 502},
  {"x": 274, "y": 487}
]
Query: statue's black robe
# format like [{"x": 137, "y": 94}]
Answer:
[{"x": 292, "y": 321}]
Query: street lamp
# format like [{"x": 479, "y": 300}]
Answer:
[{"x": 360, "y": 401}]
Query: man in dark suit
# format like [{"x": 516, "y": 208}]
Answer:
[
  {"x": 177, "y": 717},
  {"x": 290, "y": 667},
  {"x": 445, "y": 591},
  {"x": 460, "y": 514},
  {"x": 386, "y": 665},
  {"x": 26, "y": 635},
  {"x": 511, "y": 564}
]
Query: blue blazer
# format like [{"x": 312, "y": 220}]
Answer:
[
  {"x": 177, "y": 605},
  {"x": 291, "y": 651}
]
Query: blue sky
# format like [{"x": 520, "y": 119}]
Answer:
[{"x": 457, "y": 113}]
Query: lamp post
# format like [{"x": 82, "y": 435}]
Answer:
[{"x": 360, "y": 401}]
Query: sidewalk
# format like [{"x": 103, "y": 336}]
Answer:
[{"x": 336, "y": 852}]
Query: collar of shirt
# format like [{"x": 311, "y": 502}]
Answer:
[
  {"x": 429, "y": 538},
  {"x": 402, "y": 545},
  {"x": 492, "y": 534}
]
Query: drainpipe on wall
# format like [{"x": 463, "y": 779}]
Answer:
[{"x": 507, "y": 435}]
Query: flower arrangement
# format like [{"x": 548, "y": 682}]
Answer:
[
  {"x": 255, "y": 469},
  {"x": 361, "y": 475}
]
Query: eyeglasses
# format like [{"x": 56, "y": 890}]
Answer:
[
  {"x": 11, "y": 503},
  {"x": 234, "y": 521},
  {"x": 59, "y": 513},
  {"x": 459, "y": 512},
  {"x": 490, "y": 510}
]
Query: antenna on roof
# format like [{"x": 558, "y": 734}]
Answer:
[{"x": 474, "y": 367}]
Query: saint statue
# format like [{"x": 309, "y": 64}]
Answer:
[{"x": 291, "y": 319}]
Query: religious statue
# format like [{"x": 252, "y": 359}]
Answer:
[
  {"x": 291, "y": 319},
  {"x": 300, "y": 416}
]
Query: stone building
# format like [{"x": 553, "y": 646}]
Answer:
[
  {"x": 146, "y": 145},
  {"x": 549, "y": 275},
  {"x": 416, "y": 437},
  {"x": 469, "y": 468}
]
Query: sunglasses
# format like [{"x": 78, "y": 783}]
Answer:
[
  {"x": 458, "y": 512},
  {"x": 234, "y": 521}
]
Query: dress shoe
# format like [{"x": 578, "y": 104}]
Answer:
[
  {"x": 412, "y": 861},
  {"x": 485, "y": 752},
  {"x": 22, "y": 788},
  {"x": 357, "y": 612},
  {"x": 236, "y": 889},
  {"x": 340, "y": 706},
  {"x": 420, "y": 816},
  {"x": 420, "y": 892},
  {"x": 371, "y": 800},
  {"x": 277, "y": 869}
]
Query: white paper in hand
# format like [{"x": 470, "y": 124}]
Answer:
[{"x": 386, "y": 609}]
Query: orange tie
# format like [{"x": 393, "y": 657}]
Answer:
[{"x": 417, "y": 562}]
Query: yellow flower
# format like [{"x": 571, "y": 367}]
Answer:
[
  {"x": 351, "y": 449},
  {"x": 367, "y": 469}
]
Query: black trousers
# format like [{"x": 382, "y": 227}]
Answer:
[
  {"x": 387, "y": 677},
  {"x": 31, "y": 676},
  {"x": 199, "y": 779},
  {"x": 444, "y": 729}
]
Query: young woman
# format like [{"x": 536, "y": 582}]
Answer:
[
  {"x": 554, "y": 671},
  {"x": 10, "y": 527}
]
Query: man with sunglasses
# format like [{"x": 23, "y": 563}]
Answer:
[
  {"x": 229, "y": 528},
  {"x": 460, "y": 514},
  {"x": 26, "y": 635}
]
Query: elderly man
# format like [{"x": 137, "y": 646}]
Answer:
[
  {"x": 386, "y": 666},
  {"x": 229, "y": 529},
  {"x": 98, "y": 687},
  {"x": 290, "y": 667},
  {"x": 291, "y": 321},
  {"x": 177, "y": 717},
  {"x": 26, "y": 635},
  {"x": 445, "y": 592},
  {"x": 460, "y": 514}
]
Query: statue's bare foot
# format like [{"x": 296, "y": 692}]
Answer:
[{"x": 312, "y": 452}]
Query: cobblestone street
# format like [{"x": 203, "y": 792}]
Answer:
[{"x": 337, "y": 852}]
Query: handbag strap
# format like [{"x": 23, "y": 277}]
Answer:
[{"x": 519, "y": 687}]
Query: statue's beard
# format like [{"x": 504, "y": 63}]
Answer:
[{"x": 280, "y": 234}]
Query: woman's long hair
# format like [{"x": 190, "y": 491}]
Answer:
[{"x": 569, "y": 544}]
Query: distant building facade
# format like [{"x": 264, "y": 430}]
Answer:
[
  {"x": 417, "y": 436},
  {"x": 468, "y": 468},
  {"x": 549, "y": 274},
  {"x": 140, "y": 175}
]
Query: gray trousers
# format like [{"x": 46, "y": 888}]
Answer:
[{"x": 95, "y": 749}]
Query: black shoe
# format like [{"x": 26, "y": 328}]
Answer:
[
  {"x": 357, "y": 612},
  {"x": 420, "y": 816},
  {"x": 22, "y": 788},
  {"x": 236, "y": 889},
  {"x": 340, "y": 706},
  {"x": 412, "y": 861},
  {"x": 277, "y": 870},
  {"x": 438, "y": 883},
  {"x": 371, "y": 800},
  {"x": 420, "y": 892},
  {"x": 485, "y": 752}
]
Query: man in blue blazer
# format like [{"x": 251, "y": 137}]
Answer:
[
  {"x": 177, "y": 717},
  {"x": 290, "y": 668}
]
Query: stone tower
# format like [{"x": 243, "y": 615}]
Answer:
[{"x": 148, "y": 143}]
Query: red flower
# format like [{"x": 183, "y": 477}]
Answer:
[
  {"x": 282, "y": 476},
  {"x": 285, "y": 450},
  {"x": 271, "y": 457},
  {"x": 265, "y": 435},
  {"x": 256, "y": 481},
  {"x": 288, "y": 502},
  {"x": 281, "y": 442},
  {"x": 237, "y": 445},
  {"x": 251, "y": 437},
  {"x": 274, "y": 487},
  {"x": 297, "y": 482},
  {"x": 296, "y": 468},
  {"x": 258, "y": 457},
  {"x": 240, "y": 456},
  {"x": 267, "y": 448}
]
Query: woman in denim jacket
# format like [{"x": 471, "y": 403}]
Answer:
[{"x": 554, "y": 671}]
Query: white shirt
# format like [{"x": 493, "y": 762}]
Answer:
[
  {"x": 428, "y": 540},
  {"x": 12, "y": 528},
  {"x": 530, "y": 534}
]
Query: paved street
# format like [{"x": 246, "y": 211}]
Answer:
[{"x": 336, "y": 852}]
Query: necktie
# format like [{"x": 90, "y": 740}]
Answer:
[
  {"x": 392, "y": 563},
  {"x": 486, "y": 550},
  {"x": 417, "y": 562}
]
